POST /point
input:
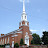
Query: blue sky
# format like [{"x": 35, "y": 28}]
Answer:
[{"x": 11, "y": 10}]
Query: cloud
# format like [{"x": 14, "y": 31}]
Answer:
[
  {"x": 34, "y": 30},
  {"x": 21, "y": 0},
  {"x": 25, "y": 1},
  {"x": 44, "y": 30}
]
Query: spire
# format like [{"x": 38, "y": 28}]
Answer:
[
  {"x": 23, "y": 6},
  {"x": 24, "y": 16}
]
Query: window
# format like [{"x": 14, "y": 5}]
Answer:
[
  {"x": 25, "y": 23},
  {"x": 22, "y": 17},
  {"x": 21, "y": 23},
  {"x": 26, "y": 33},
  {"x": 5, "y": 40},
  {"x": 8, "y": 39},
  {"x": 25, "y": 17}
]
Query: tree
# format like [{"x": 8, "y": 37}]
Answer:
[
  {"x": 8, "y": 44},
  {"x": 32, "y": 42},
  {"x": 21, "y": 42},
  {"x": 36, "y": 39},
  {"x": 45, "y": 38},
  {"x": 16, "y": 45}
]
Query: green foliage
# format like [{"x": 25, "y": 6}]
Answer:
[
  {"x": 45, "y": 37},
  {"x": 4, "y": 45},
  {"x": 1, "y": 45},
  {"x": 24, "y": 44},
  {"x": 8, "y": 44},
  {"x": 21, "y": 42},
  {"x": 36, "y": 39},
  {"x": 16, "y": 45},
  {"x": 32, "y": 42}
]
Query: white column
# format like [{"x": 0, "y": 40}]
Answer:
[
  {"x": 12, "y": 44},
  {"x": 23, "y": 5},
  {"x": 27, "y": 39},
  {"x": 8, "y": 39},
  {"x": 5, "y": 40},
  {"x": 25, "y": 23}
]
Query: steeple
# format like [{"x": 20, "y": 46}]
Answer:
[
  {"x": 24, "y": 21},
  {"x": 24, "y": 16},
  {"x": 23, "y": 6}
]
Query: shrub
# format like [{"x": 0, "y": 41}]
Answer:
[
  {"x": 32, "y": 42},
  {"x": 21, "y": 42},
  {"x": 16, "y": 45},
  {"x": 24, "y": 44},
  {"x": 1, "y": 45},
  {"x": 8, "y": 44}
]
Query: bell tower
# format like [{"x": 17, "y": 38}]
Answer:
[
  {"x": 24, "y": 24},
  {"x": 24, "y": 17}
]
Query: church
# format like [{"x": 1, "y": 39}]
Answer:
[{"x": 22, "y": 33}]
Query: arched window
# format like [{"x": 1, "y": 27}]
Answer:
[
  {"x": 25, "y": 23},
  {"x": 25, "y": 17},
  {"x": 22, "y": 17},
  {"x": 21, "y": 23}
]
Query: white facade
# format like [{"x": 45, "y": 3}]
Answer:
[
  {"x": 12, "y": 44},
  {"x": 27, "y": 39},
  {"x": 24, "y": 16}
]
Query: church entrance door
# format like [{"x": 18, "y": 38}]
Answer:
[
  {"x": 27, "y": 39},
  {"x": 12, "y": 44}
]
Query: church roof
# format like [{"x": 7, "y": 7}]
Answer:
[{"x": 13, "y": 32}]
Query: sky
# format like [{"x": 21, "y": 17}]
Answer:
[{"x": 37, "y": 15}]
